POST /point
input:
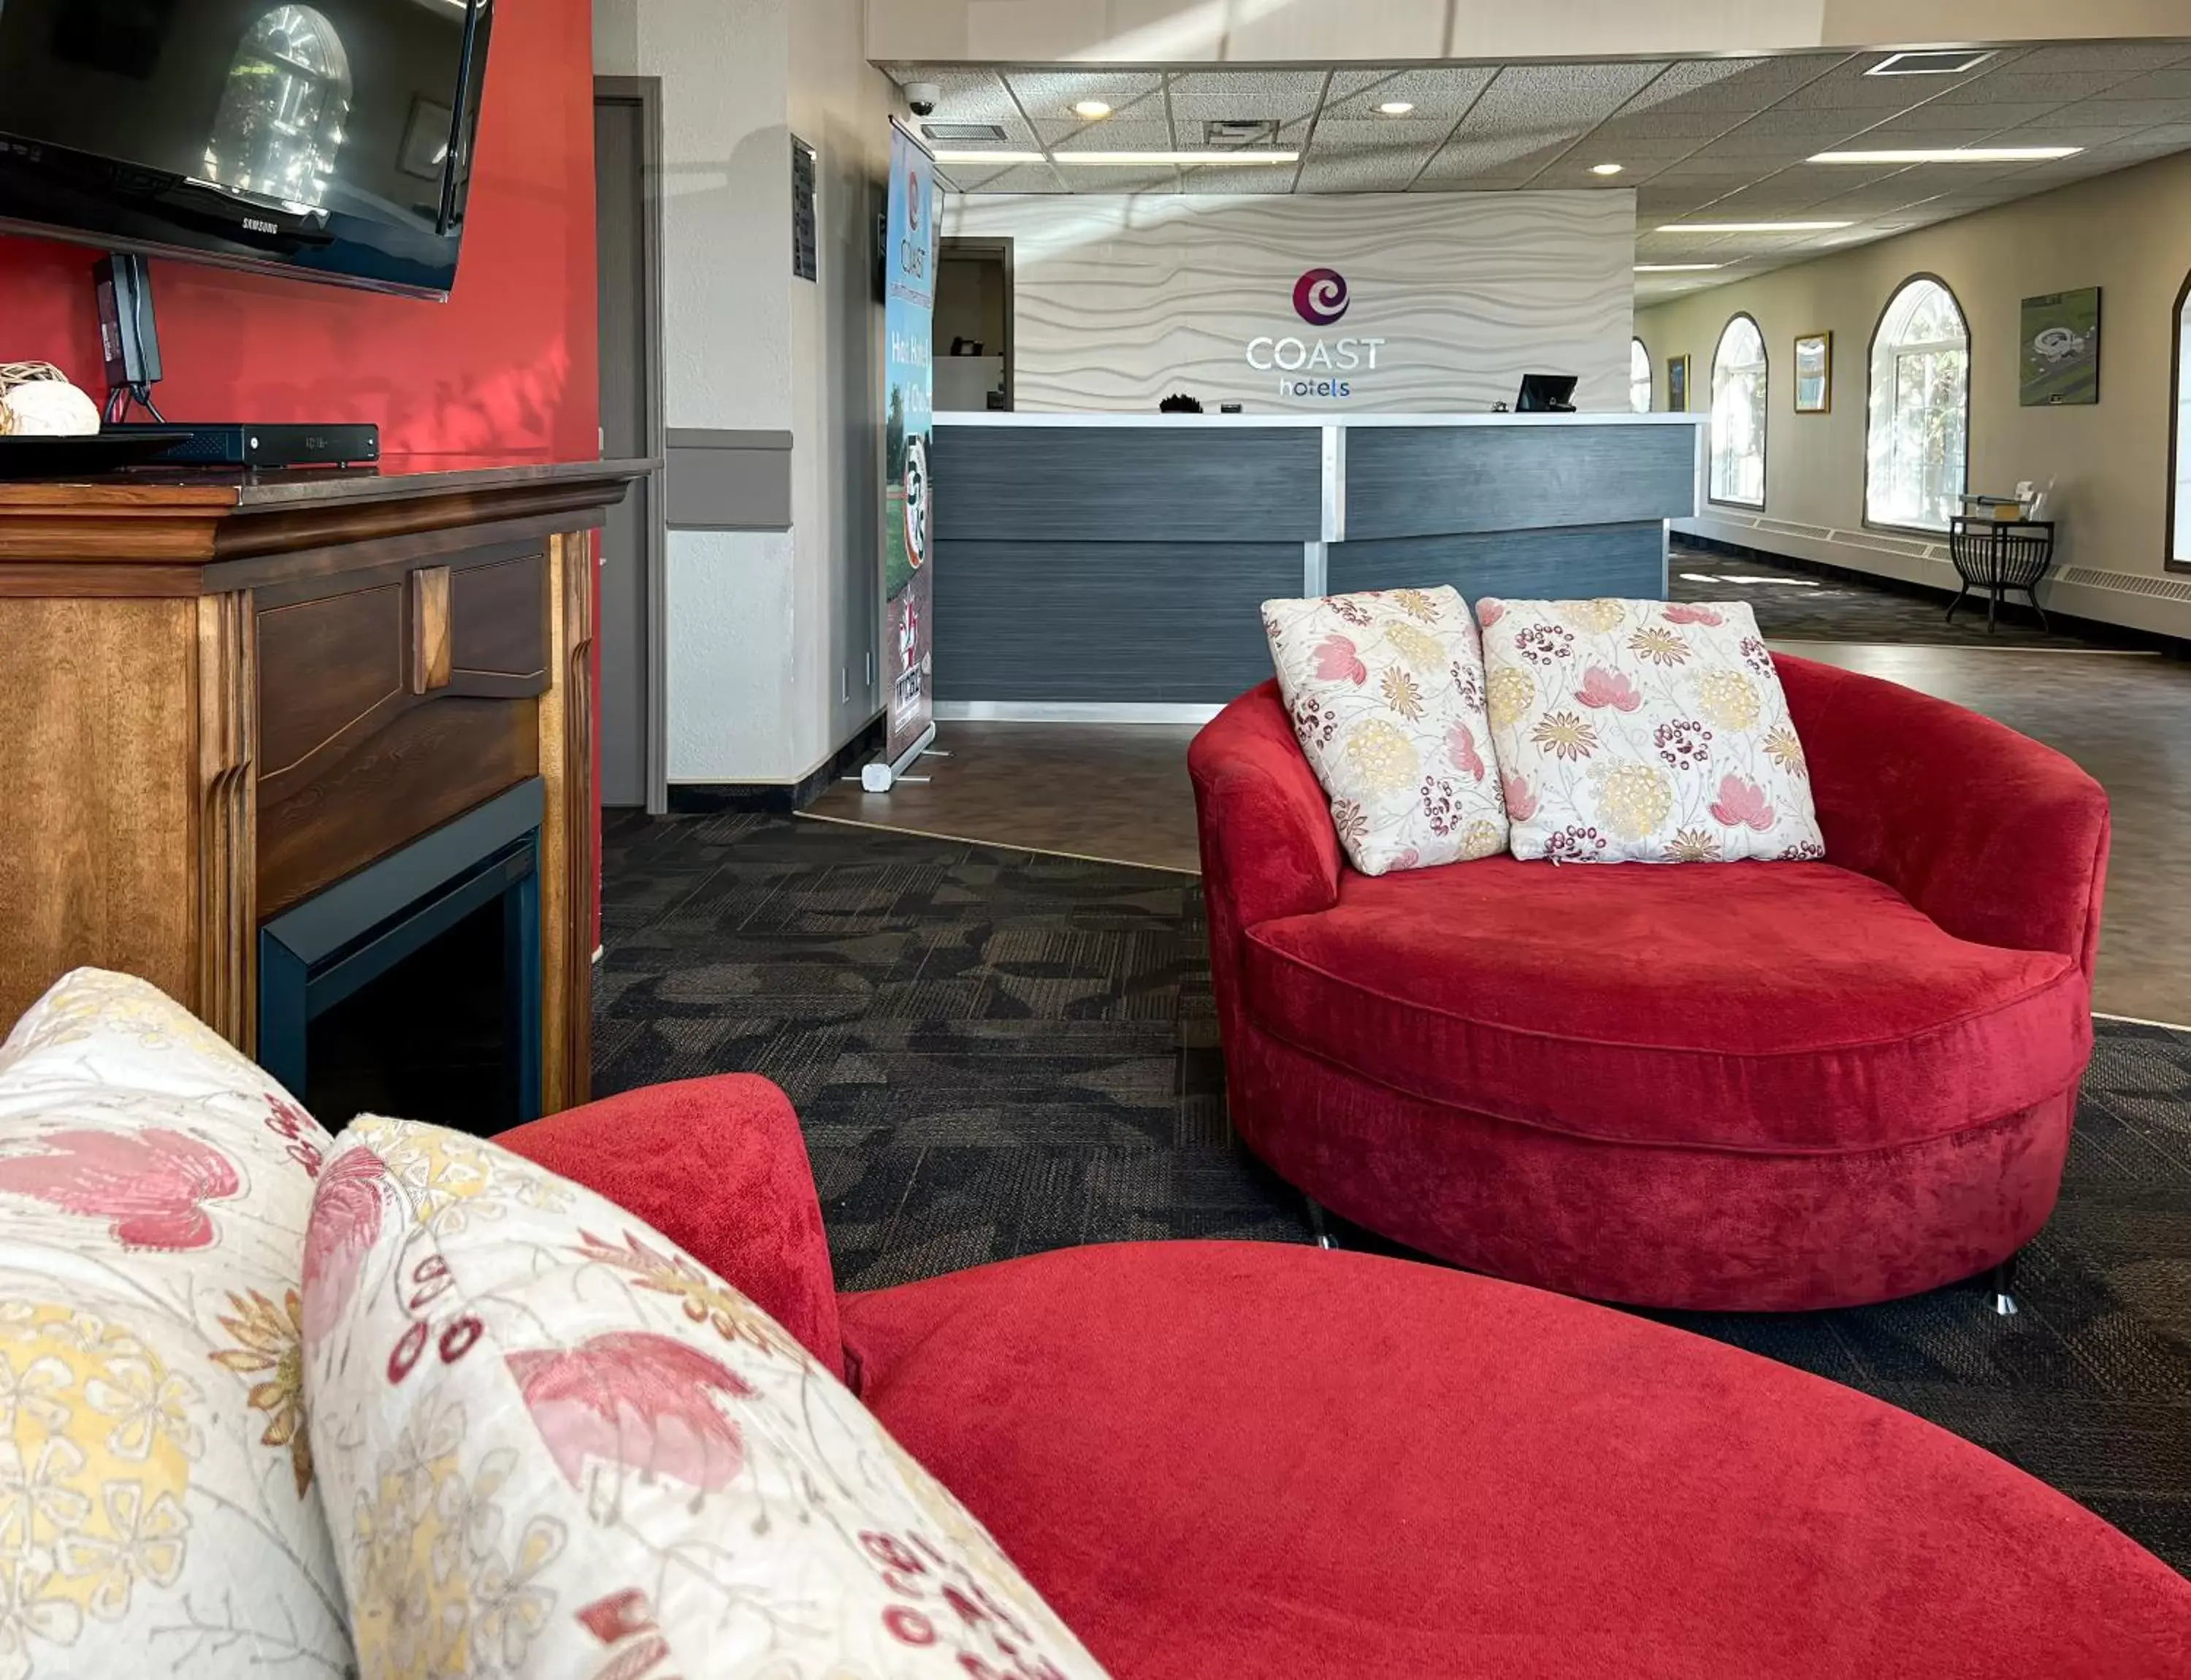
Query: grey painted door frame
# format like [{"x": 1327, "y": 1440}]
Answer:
[{"x": 644, "y": 92}]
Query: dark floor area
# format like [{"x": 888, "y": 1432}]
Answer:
[
  {"x": 1795, "y": 604},
  {"x": 996, "y": 1053}
]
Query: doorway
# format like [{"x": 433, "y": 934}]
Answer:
[
  {"x": 973, "y": 347},
  {"x": 630, "y": 742}
]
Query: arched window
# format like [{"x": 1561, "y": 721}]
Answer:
[
  {"x": 1920, "y": 422},
  {"x": 1738, "y": 415},
  {"x": 2179, "y": 545},
  {"x": 1639, "y": 376},
  {"x": 281, "y": 119}
]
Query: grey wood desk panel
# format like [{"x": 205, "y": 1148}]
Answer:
[
  {"x": 1127, "y": 622},
  {"x": 1430, "y": 481},
  {"x": 1580, "y": 561},
  {"x": 1128, "y": 484}
]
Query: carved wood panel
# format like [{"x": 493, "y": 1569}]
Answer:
[
  {"x": 333, "y": 671},
  {"x": 566, "y": 835},
  {"x": 227, "y": 817}
]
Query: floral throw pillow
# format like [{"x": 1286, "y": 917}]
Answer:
[
  {"x": 159, "y": 1511},
  {"x": 1643, "y": 731},
  {"x": 554, "y": 1444},
  {"x": 1385, "y": 692}
]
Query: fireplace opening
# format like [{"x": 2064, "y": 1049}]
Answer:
[
  {"x": 424, "y": 1041},
  {"x": 412, "y": 987}
]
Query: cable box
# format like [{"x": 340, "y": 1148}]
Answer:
[{"x": 224, "y": 443}]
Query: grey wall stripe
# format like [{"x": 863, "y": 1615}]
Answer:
[{"x": 718, "y": 479}]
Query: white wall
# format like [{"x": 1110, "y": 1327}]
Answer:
[
  {"x": 769, "y": 631},
  {"x": 2128, "y": 233},
  {"x": 1121, "y": 300}
]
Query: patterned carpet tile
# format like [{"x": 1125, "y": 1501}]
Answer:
[{"x": 995, "y": 1053}]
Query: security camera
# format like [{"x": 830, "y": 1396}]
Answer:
[{"x": 922, "y": 96}]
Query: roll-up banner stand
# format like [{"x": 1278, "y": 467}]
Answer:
[{"x": 907, "y": 662}]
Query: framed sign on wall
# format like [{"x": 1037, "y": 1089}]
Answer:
[
  {"x": 1677, "y": 384},
  {"x": 1814, "y": 373},
  {"x": 2059, "y": 349}
]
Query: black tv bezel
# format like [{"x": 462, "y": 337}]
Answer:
[{"x": 130, "y": 218}]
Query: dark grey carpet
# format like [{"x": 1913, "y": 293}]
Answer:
[
  {"x": 1796, "y": 604},
  {"x": 995, "y": 1052}
]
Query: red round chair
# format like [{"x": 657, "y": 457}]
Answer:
[
  {"x": 1259, "y": 1461},
  {"x": 1751, "y": 1086}
]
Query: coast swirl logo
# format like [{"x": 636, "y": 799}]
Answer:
[{"x": 1320, "y": 296}]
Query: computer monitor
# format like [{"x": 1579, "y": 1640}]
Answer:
[{"x": 1546, "y": 393}]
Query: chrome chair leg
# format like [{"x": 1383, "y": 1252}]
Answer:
[
  {"x": 2000, "y": 1281},
  {"x": 1318, "y": 1225}
]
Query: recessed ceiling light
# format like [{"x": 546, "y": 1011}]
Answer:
[
  {"x": 1090, "y": 109},
  {"x": 999, "y": 158},
  {"x": 1127, "y": 160},
  {"x": 1605, "y": 168},
  {"x": 1965, "y": 154},
  {"x": 1939, "y": 61},
  {"x": 1675, "y": 268},
  {"x": 1395, "y": 107},
  {"x": 1752, "y": 227}
]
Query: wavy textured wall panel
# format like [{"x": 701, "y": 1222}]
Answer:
[{"x": 1121, "y": 300}]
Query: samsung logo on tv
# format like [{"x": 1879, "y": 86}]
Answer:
[{"x": 252, "y": 225}]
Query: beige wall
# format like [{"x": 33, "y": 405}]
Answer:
[
  {"x": 1198, "y": 32},
  {"x": 2128, "y": 233}
]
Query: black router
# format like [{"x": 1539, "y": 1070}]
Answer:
[
  {"x": 231, "y": 443},
  {"x": 129, "y": 341}
]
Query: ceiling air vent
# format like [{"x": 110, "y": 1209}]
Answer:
[
  {"x": 1240, "y": 131},
  {"x": 1950, "y": 63},
  {"x": 965, "y": 133}
]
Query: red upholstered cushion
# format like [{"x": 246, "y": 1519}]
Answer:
[
  {"x": 719, "y": 1167},
  {"x": 1781, "y": 1006},
  {"x": 1253, "y": 1460}
]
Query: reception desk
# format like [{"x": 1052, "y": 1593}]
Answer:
[{"x": 1111, "y": 566}]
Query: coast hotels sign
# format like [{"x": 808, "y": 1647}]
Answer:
[{"x": 1313, "y": 367}]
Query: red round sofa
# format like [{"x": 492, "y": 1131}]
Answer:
[
  {"x": 1757, "y": 1085},
  {"x": 1255, "y": 1459}
]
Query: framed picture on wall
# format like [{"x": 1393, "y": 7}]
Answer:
[
  {"x": 2059, "y": 349},
  {"x": 1814, "y": 373},
  {"x": 1677, "y": 384}
]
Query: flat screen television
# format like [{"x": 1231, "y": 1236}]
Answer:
[{"x": 332, "y": 140}]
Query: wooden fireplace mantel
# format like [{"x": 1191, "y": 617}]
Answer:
[{"x": 223, "y": 694}]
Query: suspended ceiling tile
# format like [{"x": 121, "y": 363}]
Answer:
[
  {"x": 1346, "y": 168},
  {"x": 1052, "y": 93},
  {"x": 2019, "y": 86},
  {"x": 2162, "y": 84},
  {"x": 2121, "y": 113},
  {"x": 2128, "y": 58},
  {"x": 1543, "y": 98},
  {"x": 1721, "y": 86},
  {"x": 1990, "y": 119},
  {"x": 1441, "y": 92},
  {"x": 1219, "y": 95},
  {"x": 1134, "y": 133},
  {"x": 1695, "y": 127},
  {"x": 1471, "y": 159},
  {"x": 1238, "y": 182},
  {"x": 1020, "y": 178}
]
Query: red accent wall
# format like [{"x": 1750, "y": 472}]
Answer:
[{"x": 505, "y": 370}]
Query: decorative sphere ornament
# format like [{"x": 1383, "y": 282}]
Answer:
[{"x": 38, "y": 401}]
